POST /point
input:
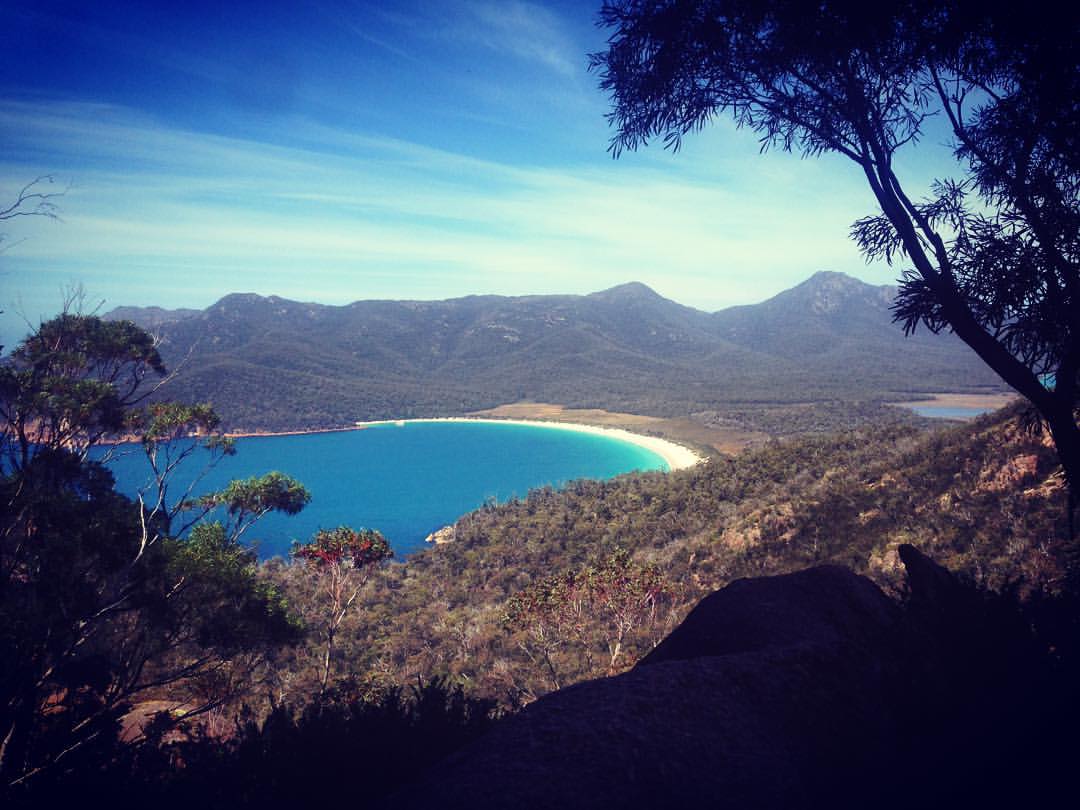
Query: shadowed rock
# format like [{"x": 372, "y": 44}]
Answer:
[
  {"x": 811, "y": 689},
  {"x": 828, "y": 605},
  {"x": 773, "y": 693}
]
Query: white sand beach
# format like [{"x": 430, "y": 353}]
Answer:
[{"x": 674, "y": 455}]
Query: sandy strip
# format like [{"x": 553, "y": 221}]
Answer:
[
  {"x": 674, "y": 455},
  {"x": 267, "y": 434},
  {"x": 944, "y": 400}
]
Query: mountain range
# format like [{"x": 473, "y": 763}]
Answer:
[{"x": 271, "y": 363}]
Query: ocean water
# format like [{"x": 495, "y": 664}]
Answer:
[{"x": 406, "y": 480}]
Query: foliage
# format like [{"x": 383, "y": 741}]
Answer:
[
  {"x": 101, "y": 601},
  {"x": 380, "y": 743},
  {"x": 368, "y": 746},
  {"x": 170, "y": 433},
  {"x": 614, "y": 596},
  {"x": 247, "y": 500},
  {"x": 232, "y": 607},
  {"x": 994, "y": 256},
  {"x": 70, "y": 384},
  {"x": 982, "y": 498},
  {"x": 342, "y": 559},
  {"x": 343, "y": 545},
  {"x": 804, "y": 418}
]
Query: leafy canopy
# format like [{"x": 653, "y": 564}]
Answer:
[
  {"x": 344, "y": 545},
  {"x": 102, "y": 600}
]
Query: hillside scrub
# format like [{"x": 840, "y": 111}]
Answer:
[
  {"x": 599, "y": 573},
  {"x": 986, "y": 500}
]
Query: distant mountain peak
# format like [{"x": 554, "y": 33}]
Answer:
[
  {"x": 831, "y": 276},
  {"x": 633, "y": 286},
  {"x": 836, "y": 281},
  {"x": 632, "y": 290},
  {"x": 237, "y": 298},
  {"x": 827, "y": 292}
]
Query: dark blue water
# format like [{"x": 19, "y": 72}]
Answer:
[{"x": 404, "y": 480}]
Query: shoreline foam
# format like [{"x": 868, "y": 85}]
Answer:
[{"x": 676, "y": 456}]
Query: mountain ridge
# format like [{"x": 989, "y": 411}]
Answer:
[
  {"x": 625, "y": 290},
  {"x": 625, "y": 348}
]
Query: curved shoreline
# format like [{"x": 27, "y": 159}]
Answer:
[
  {"x": 267, "y": 434},
  {"x": 676, "y": 456}
]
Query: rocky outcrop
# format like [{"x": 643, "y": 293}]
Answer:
[
  {"x": 827, "y": 606},
  {"x": 759, "y": 699},
  {"x": 440, "y": 536},
  {"x": 811, "y": 689}
]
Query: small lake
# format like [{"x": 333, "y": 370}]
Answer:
[
  {"x": 944, "y": 412},
  {"x": 406, "y": 480}
]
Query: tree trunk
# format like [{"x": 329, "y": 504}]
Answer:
[
  {"x": 1056, "y": 407},
  {"x": 616, "y": 651},
  {"x": 326, "y": 663},
  {"x": 1066, "y": 435}
]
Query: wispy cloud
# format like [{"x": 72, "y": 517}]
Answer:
[
  {"x": 525, "y": 30},
  {"x": 168, "y": 216}
]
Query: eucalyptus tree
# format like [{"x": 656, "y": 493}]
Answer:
[
  {"x": 102, "y": 599},
  {"x": 341, "y": 560},
  {"x": 992, "y": 253}
]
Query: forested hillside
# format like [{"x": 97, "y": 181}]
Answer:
[
  {"x": 270, "y": 363},
  {"x": 986, "y": 500}
]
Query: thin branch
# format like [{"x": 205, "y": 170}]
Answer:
[{"x": 30, "y": 202}]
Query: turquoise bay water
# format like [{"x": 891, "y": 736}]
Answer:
[{"x": 406, "y": 480}]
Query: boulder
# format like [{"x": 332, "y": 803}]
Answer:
[{"x": 774, "y": 692}]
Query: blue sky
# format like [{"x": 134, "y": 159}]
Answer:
[{"x": 334, "y": 150}]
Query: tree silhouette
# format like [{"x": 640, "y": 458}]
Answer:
[
  {"x": 993, "y": 256},
  {"x": 101, "y": 602},
  {"x": 32, "y": 200}
]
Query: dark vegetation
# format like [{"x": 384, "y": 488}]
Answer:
[
  {"x": 273, "y": 364},
  {"x": 360, "y": 747},
  {"x": 780, "y": 420},
  {"x": 810, "y": 689},
  {"x": 139, "y": 639},
  {"x": 101, "y": 602}
]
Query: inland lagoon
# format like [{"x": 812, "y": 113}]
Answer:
[
  {"x": 957, "y": 406},
  {"x": 945, "y": 412},
  {"x": 408, "y": 479}
]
